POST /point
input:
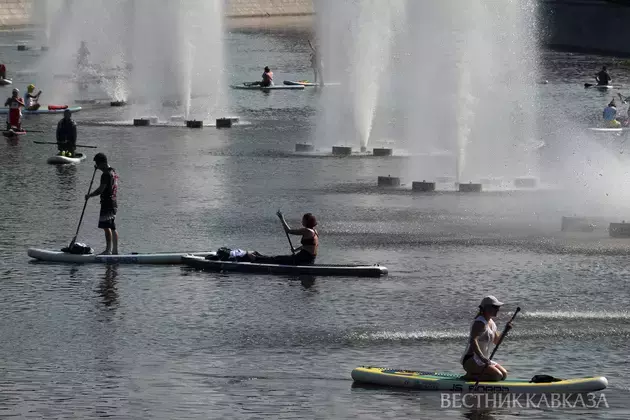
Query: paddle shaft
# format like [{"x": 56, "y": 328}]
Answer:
[
  {"x": 50, "y": 142},
  {"x": 83, "y": 212},
  {"x": 503, "y": 335},
  {"x": 288, "y": 238}
]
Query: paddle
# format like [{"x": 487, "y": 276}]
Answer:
[
  {"x": 279, "y": 213},
  {"x": 78, "y": 145},
  {"x": 83, "y": 212},
  {"x": 503, "y": 334}
]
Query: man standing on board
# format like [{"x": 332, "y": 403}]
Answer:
[
  {"x": 108, "y": 191},
  {"x": 67, "y": 135}
]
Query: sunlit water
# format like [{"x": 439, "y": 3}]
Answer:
[{"x": 166, "y": 342}]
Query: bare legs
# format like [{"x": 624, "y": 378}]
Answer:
[
  {"x": 111, "y": 242},
  {"x": 489, "y": 374}
]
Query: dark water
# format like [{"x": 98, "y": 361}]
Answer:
[{"x": 166, "y": 342}]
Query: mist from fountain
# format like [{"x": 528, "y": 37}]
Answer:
[
  {"x": 354, "y": 41},
  {"x": 471, "y": 69},
  {"x": 155, "y": 58}
]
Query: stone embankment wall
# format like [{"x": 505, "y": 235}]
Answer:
[{"x": 16, "y": 13}]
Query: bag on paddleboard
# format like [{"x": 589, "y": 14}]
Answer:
[
  {"x": 540, "y": 379},
  {"x": 78, "y": 248}
]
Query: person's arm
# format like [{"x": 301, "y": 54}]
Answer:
[
  {"x": 59, "y": 132},
  {"x": 288, "y": 229},
  {"x": 7, "y": 102},
  {"x": 100, "y": 189}
]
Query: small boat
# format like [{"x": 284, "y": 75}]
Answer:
[
  {"x": 65, "y": 160},
  {"x": 306, "y": 83},
  {"x": 5, "y": 82},
  {"x": 202, "y": 263},
  {"x": 133, "y": 258},
  {"x": 246, "y": 86},
  {"x": 436, "y": 381},
  {"x": 51, "y": 109},
  {"x": 12, "y": 133}
]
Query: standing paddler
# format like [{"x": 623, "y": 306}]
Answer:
[{"x": 108, "y": 191}]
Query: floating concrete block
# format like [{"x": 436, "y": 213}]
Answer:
[
  {"x": 194, "y": 124},
  {"x": 117, "y": 103},
  {"x": 423, "y": 186},
  {"x": 304, "y": 147},
  {"x": 525, "y": 182},
  {"x": 470, "y": 187},
  {"x": 44, "y": 48},
  {"x": 388, "y": 181},
  {"x": 381, "y": 151},
  {"x": 341, "y": 150},
  {"x": 141, "y": 122},
  {"x": 224, "y": 123},
  {"x": 22, "y": 48},
  {"x": 619, "y": 230},
  {"x": 576, "y": 224}
]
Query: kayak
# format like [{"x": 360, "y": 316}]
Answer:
[
  {"x": 274, "y": 87},
  {"x": 51, "y": 109},
  {"x": 64, "y": 160},
  {"x": 307, "y": 84},
  {"x": 201, "y": 263},
  {"x": 12, "y": 133},
  {"x": 5, "y": 82},
  {"x": 436, "y": 381},
  {"x": 133, "y": 258}
]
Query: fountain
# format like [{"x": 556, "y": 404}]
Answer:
[
  {"x": 133, "y": 62},
  {"x": 467, "y": 85},
  {"x": 354, "y": 42}
]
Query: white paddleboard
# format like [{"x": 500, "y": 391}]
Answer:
[
  {"x": 609, "y": 130},
  {"x": 65, "y": 160},
  {"x": 154, "y": 258},
  {"x": 5, "y": 82},
  {"x": 309, "y": 84}
]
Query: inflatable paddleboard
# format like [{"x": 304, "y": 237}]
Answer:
[
  {"x": 134, "y": 258},
  {"x": 65, "y": 160},
  {"x": 349, "y": 270},
  {"x": 13, "y": 133},
  {"x": 274, "y": 87},
  {"x": 308, "y": 84},
  {"x": 5, "y": 82},
  {"x": 436, "y": 381},
  {"x": 51, "y": 109},
  {"x": 593, "y": 85},
  {"x": 609, "y": 130}
]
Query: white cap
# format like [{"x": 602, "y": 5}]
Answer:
[{"x": 490, "y": 301}]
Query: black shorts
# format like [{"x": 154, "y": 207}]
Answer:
[{"x": 107, "y": 219}]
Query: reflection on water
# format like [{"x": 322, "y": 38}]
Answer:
[{"x": 107, "y": 289}]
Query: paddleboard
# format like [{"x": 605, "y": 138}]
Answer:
[
  {"x": 349, "y": 270},
  {"x": 436, "y": 381},
  {"x": 42, "y": 110},
  {"x": 12, "y": 133},
  {"x": 65, "y": 160},
  {"x": 588, "y": 85},
  {"x": 609, "y": 130},
  {"x": 274, "y": 87},
  {"x": 133, "y": 258},
  {"x": 308, "y": 84},
  {"x": 5, "y": 82}
]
